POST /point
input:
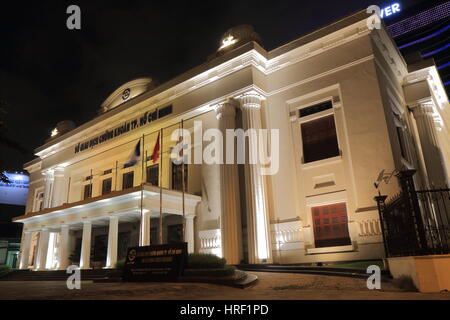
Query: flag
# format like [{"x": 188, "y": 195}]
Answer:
[
  {"x": 135, "y": 156},
  {"x": 155, "y": 153}
]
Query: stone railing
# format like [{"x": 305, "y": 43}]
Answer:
[
  {"x": 369, "y": 227},
  {"x": 287, "y": 235},
  {"x": 210, "y": 241}
]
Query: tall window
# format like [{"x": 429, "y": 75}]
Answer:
[
  {"x": 87, "y": 191},
  {"x": 127, "y": 180},
  {"x": 400, "y": 135},
  {"x": 176, "y": 176},
  {"x": 39, "y": 201},
  {"x": 153, "y": 174},
  {"x": 319, "y": 139},
  {"x": 331, "y": 225},
  {"x": 106, "y": 186}
]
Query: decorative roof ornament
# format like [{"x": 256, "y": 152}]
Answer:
[
  {"x": 237, "y": 36},
  {"x": 128, "y": 91}
]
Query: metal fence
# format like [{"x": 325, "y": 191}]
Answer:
[{"x": 415, "y": 222}]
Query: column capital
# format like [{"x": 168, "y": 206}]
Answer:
[
  {"x": 251, "y": 99},
  {"x": 226, "y": 108},
  {"x": 49, "y": 173},
  {"x": 422, "y": 109}
]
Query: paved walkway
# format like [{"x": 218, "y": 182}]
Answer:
[{"x": 269, "y": 286}]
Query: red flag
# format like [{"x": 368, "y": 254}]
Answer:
[{"x": 155, "y": 154}]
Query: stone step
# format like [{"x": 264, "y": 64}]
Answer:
[
  {"x": 340, "y": 272},
  {"x": 57, "y": 275}
]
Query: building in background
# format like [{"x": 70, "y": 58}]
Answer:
[
  {"x": 13, "y": 197},
  {"x": 423, "y": 32},
  {"x": 346, "y": 107}
]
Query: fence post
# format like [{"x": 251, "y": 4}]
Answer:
[
  {"x": 381, "y": 206},
  {"x": 407, "y": 184}
]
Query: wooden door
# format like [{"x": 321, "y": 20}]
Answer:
[{"x": 331, "y": 225}]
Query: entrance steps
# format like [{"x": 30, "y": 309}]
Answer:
[
  {"x": 328, "y": 271},
  {"x": 54, "y": 275}
]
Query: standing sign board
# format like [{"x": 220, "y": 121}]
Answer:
[{"x": 164, "y": 262}]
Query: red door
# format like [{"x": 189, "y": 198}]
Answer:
[{"x": 331, "y": 225}]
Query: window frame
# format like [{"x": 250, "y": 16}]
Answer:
[
  {"x": 185, "y": 176},
  {"x": 125, "y": 174},
  {"x": 330, "y": 223},
  {"x": 84, "y": 191},
  {"x": 38, "y": 202},
  {"x": 103, "y": 185},
  {"x": 147, "y": 175}
]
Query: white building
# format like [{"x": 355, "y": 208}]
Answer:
[{"x": 346, "y": 106}]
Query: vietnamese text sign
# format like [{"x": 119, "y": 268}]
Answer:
[{"x": 156, "y": 262}]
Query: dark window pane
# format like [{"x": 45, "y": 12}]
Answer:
[
  {"x": 174, "y": 233},
  {"x": 319, "y": 139},
  {"x": 401, "y": 142},
  {"x": 87, "y": 191},
  {"x": 106, "y": 186},
  {"x": 153, "y": 175},
  {"x": 127, "y": 180},
  {"x": 176, "y": 176},
  {"x": 315, "y": 108}
]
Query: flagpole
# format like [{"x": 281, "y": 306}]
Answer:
[
  {"x": 182, "y": 181},
  {"x": 142, "y": 192},
  {"x": 68, "y": 190},
  {"x": 115, "y": 179},
  {"x": 160, "y": 187},
  {"x": 91, "y": 184}
]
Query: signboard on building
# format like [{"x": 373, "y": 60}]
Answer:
[{"x": 164, "y": 262}]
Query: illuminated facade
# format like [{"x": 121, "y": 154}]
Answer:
[{"x": 345, "y": 105}]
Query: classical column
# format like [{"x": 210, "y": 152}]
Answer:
[
  {"x": 48, "y": 191},
  {"x": 85, "y": 259},
  {"x": 113, "y": 232},
  {"x": 189, "y": 233},
  {"x": 64, "y": 247},
  {"x": 434, "y": 162},
  {"x": 259, "y": 247},
  {"x": 25, "y": 250},
  {"x": 59, "y": 188},
  {"x": 230, "y": 221},
  {"x": 42, "y": 249},
  {"x": 145, "y": 229}
]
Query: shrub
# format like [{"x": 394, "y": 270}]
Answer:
[
  {"x": 4, "y": 270},
  {"x": 120, "y": 264},
  {"x": 405, "y": 283},
  {"x": 205, "y": 261},
  {"x": 226, "y": 271}
]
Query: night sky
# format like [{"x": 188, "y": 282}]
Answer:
[{"x": 49, "y": 73}]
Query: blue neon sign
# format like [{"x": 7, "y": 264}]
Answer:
[{"x": 390, "y": 10}]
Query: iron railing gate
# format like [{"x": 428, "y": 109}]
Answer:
[{"x": 415, "y": 222}]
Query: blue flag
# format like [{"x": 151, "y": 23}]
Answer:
[{"x": 135, "y": 156}]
